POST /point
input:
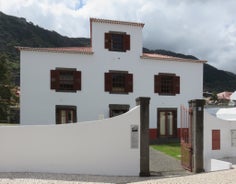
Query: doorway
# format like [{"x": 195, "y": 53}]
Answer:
[{"x": 167, "y": 122}]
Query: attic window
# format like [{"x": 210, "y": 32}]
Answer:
[{"x": 117, "y": 41}]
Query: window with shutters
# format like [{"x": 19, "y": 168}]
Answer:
[
  {"x": 166, "y": 84},
  {"x": 116, "y": 41},
  {"x": 118, "y": 82},
  {"x": 66, "y": 80}
]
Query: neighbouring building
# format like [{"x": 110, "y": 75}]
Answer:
[{"x": 65, "y": 85}]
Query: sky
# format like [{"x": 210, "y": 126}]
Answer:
[{"x": 203, "y": 28}]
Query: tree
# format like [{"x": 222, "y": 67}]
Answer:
[
  {"x": 214, "y": 97},
  {"x": 6, "y": 93}
]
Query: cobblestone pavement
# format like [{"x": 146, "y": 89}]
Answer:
[
  {"x": 219, "y": 177},
  {"x": 222, "y": 177}
]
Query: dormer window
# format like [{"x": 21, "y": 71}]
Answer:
[{"x": 117, "y": 41}]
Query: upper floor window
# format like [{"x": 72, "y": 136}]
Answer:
[
  {"x": 116, "y": 41},
  {"x": 118, "y": 82},
  {"x": 66, "y": 80},
  {"x": 166, "y": 84}
]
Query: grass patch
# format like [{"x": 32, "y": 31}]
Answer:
[{"x": 171, "y": 149}]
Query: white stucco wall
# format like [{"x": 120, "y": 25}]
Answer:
[
  {"x": 38, "y": 101},
  {"x": 100, "y": 147},
  {"x": 226, "y": 148}
]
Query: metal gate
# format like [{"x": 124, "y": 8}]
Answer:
[{"x": 186, "y": 138}]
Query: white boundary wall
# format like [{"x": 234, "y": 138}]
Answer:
[
  {"x": 100, "y": 147},
  {"x": 226, "y": 148}
]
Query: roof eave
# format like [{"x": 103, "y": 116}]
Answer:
[
  {"x": 53, "y": 50},
  {"x": 97, "y": 20},
  {"x": 174, "y": 59}
]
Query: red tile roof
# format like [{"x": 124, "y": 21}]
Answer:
[
  {"x": 170, "y": 58},
  {"x": 79, "y": 50},
  {"x": 88, "y": 50},
  {"x": 116, "y": 22},
  {"x": 224, "y": 95}
]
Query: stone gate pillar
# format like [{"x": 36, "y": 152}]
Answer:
[
  {"x": 197, "y": 106},
  {"x": 144, "y": 135}
]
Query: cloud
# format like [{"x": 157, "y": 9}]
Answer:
[{"x": 203, "y": 28}]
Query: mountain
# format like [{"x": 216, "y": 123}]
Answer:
[{"x": 16, "y": 31}]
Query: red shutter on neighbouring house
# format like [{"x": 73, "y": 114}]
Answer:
[
  {"x": 177, "y": 84},
  {"x": 54, "y": 79},
  {"x": 107, "y": 41},
  {"x": 157, "y": 83},
  {"x": 129, "y": 83},
  {"x": 77, "y": 80},
  {"x": 126, "y": 42},
  {"x": 215, "y": 139},
  {"x": 108, "y": 82}
]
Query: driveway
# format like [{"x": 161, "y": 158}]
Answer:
[{"x": 164, "y": 165}]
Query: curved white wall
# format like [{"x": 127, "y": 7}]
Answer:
[{"x": 100, "y": 147}]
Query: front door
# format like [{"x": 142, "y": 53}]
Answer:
[{"x": 167, "y": 122}]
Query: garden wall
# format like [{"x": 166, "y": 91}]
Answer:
[
  {"x": 103, "y": 147},
  {"x": 219, "y": 140}
]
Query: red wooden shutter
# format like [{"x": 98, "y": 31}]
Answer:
[
  {"x": 108, "y": 82},
  {"x": 54, "y": 75},
  {"x": 215, "y": 139},
  {"x": 107, "y": 41},
  {"x": 129, "y": 83},
  {"x": 177, "y": 84},
  {"x": 77, "y": 80},
  {"x": 157, "y": 84},
  {"x": 126, "y": 42}
]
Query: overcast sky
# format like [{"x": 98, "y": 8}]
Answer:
[{"x": 203, "y": 28}]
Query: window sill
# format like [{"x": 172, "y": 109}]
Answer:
[
  {"x": 66, "y": 91},
  {"x": 119, "y": 93},
  {"x": 116, "y": 50},
  {"x": 167, "y": 94}
]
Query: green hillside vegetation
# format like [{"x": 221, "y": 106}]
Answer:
[{"x": 16, "y": 31}]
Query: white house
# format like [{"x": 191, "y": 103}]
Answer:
[{"x": 64, "y": 85}]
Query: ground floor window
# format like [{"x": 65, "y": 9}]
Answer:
[
  {"x": 167, "y": 122},
  {"x": 117, "y": 109},
  {"x": 65, "y": 114}
]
